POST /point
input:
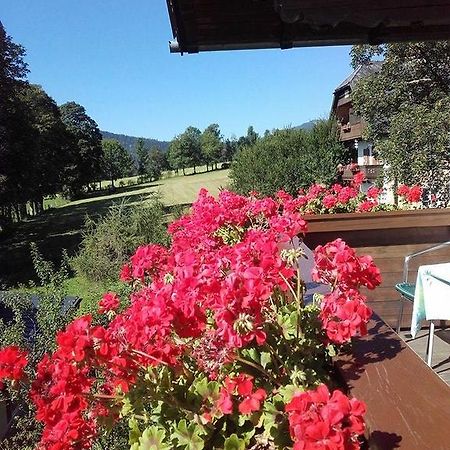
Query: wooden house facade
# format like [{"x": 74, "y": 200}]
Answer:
[{"x": 351, "y": 125}]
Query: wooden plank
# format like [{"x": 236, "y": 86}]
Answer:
[{"x": 408, "y": 405}]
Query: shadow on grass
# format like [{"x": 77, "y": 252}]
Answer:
[
  {"x": 175, "y": 209},
  {"x": 119, "y": 190},
  {"x": 54, "y": 230}
]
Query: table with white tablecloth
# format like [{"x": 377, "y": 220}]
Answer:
[{"x": 432, "y": 295}]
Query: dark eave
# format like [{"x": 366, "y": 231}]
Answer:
[{"x": 207, "y": 25}]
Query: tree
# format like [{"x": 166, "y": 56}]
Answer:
[
  {"x": 288, "y": 159},
  {"x": 174, "y": 154},
  {"x": 156, "y": 163},
  {"x": 211, "y": 145},
  {"x": 185, "y": 150},
  {"x": 229, "y": 149},
  {"x": 116, "y": 161},
  {"x": 13, "y": 73},
  {"x": 46, "y": 136},
  {"x": 85, "y": 148},
  {"x": 191, "y": 152},
  {"x": 252, "y": 135},
  {"x": 406, "y": 108},
  {"x": 141, "y": 156}
]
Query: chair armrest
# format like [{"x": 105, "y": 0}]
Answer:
[{"x": 421, "y": 252}]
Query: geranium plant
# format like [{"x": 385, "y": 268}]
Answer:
[
  {"x": 217, "y": 348},
  {"x": 319, "y": 199}
]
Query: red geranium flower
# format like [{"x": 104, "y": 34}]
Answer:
[
  {"x": 109, "y": 302},
  {"x": 12, "y": 363}
]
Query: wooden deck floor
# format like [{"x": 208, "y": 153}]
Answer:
[{"x": 441, "y": 351}]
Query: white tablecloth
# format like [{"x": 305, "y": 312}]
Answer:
[{"x": 432, "y": 295}]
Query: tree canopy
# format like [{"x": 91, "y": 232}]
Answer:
[
  {"x": 141, "y": 156},
  {"x": 288, "y": 159},
  {"x": 211, "y": 145},
  {"x": 185, "y": 150},
  {"x": 116, "y": 161},
  {"x": 406, "y": 106},
  {"x": 85, "y": 147},
  {"x": 32, "y": 136}
]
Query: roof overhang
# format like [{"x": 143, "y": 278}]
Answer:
[{"x": 207, "y": 25}]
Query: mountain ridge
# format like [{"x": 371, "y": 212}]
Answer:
[{"x": 129, "y": 142}]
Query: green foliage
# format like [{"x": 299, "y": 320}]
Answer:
[
  {"x": 116, "y": 162},
  {"x": 189, "y": 437},
  {"x": 229, "y": 149},
  {"x": 84, "y": 146},
  {"x": 406, "y": 108},
  {"x": 234, "y": 443},
  {"x": 141, "y": 156},
  {"x": 211, "y": 145},
  {"x": 31, "y": 136},
  {"x": 35, "y": 320},
  {"x": 152, "y": 439},
  {"x": 155, "y": 164},
  {"x": 364, "y": 53},
  {"x": 288, "y": 159},
  {"x": 47, "y": 137},
  {"x": 185, "y": 150},
  {"x": 108, "y": 242}
]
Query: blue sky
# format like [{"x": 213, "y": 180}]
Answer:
[{"x": 112, "y": 57}]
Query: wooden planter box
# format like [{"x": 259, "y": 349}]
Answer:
[{"x": 388, "y": 237}]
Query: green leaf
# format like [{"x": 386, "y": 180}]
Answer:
[
  {"x": 234, "y": 443},
  {"x": 288, "y": 391},
  {"x": 206, "y": 389},
  {"x": 331, "y": 350},
  {"x": 201, "y": 387},
  {"x": 265, "y": 359},
  {"x": 242, "y": 419},
  {"x": 153, "y": 439},
  {"x": 252, "y": 353},
  {"x": 127, "y": 407},
  {"x": 189, "y": 436},
  {"x": 134, "y": 432}
]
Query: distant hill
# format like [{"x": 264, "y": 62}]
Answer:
[
  {"x": 307, "y": 125},
  {"x": 129, "y": 142}
]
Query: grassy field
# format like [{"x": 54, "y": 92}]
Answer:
[{"x": 61, "y": 226}]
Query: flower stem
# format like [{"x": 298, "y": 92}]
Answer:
[
  {"x": 146, "y": 355},
  {"x": 259, "y": 368}
]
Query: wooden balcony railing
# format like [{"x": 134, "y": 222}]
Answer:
[
  {"x": 372, "y": 172},
  {"x": 351, "y": 131}
]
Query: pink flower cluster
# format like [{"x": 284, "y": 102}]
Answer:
[
  {"x": 12, "y": 364},
  {"x": 240, "y": 388},
  {"x": 344, "y": 312},
  {"x": 202, "y": 300},
  {"x": 70, "y": 401},
  {"x": 319, "y": 420},
  {"x": 321, "y": 200},
  {"x": 212, "y": 285},
  {"x": 341, "y": 199},
  {"x": 410, "y": 194}
]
